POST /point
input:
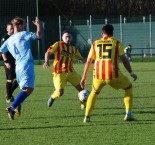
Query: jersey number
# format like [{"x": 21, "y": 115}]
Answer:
[
  {"x": 104, "y": 51},
  {"x": 16, "y": 50}
]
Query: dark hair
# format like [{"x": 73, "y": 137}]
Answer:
[
  {"x": 65, "y": 31},
  {"x": 108, "y": 29},
  {"x": 9, "y": 23}
]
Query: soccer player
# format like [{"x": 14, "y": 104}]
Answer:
[
  {"x": 127, "y": 51},
  {"x": 19, "y": 46},
  {"x": 9, "y": 66},
  {"x": 63, "y": 70},
  {"x": 106, "y": 51}
]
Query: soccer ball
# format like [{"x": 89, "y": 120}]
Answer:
[{"x": 83, "y": 95}]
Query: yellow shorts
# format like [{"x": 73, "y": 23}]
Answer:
[
  {"x": 60, "y": 80},
  {"x": 122, "y": 82}
]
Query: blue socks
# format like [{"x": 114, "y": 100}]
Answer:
[{"x": 19, "y": 99}]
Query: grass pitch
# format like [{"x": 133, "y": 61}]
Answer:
[{"x": 62, "y": 124}]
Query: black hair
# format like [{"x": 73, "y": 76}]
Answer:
[
  {"x": 108, "y": 29},
  {"x": 65, "y": 31},
  {"x": 9, "y": 23}
]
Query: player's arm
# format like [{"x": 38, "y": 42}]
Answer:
[
  {"x": 128, "y": 66},
  {"x": 2, "y": 41},
  {"x": 51, "y": 50},
  {"x": 85, "y": 73},
  {"x": 6, "y": 61},
  {"x": 37, "y": 22},
  {"x": 47, "y": 56}
]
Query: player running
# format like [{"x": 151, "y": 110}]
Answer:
[
  {"x": 19, "y": 46},
  {"x": 63, "y": 70}
]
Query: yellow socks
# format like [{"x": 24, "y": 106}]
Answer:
[
  {"x": 90, "y": 103},
  {"x": 55, "y": 95},
  {"x": 128, "y": 100}
]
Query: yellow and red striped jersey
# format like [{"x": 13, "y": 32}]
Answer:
[
  {"x": 105, "y": 52},
  {"x": 64, "y": 56}
]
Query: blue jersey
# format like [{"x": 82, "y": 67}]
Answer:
[{"x": 19, "y": 46}]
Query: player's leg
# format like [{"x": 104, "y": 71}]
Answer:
[
  {"x": 16, "y": 104},
  {"x": 130, "y": 58},
  {"x": 123, "y": 83},
  {"x": 26, "y": 91},
  {"x": 9, "y": 97},
  {"x": 14, "y": 81},
  {"x": 11, "y": 83},
  {"x": 14, "y": 86},
  {"x": 25, "y": 78},
  {"x": 128, "y": 101},
  {"x": 74, "y": 78},
  {"x": 83, "y": 104},
  {"x": 96, "y": 88},
  {"x": 59, "y": 81}
]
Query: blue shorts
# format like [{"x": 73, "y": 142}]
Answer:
[{"x": 25, "y": 75}]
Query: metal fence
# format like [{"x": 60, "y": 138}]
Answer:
[{"x": 138, "y": 31}]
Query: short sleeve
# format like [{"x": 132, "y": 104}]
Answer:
[
  {"x": 31, "y": 36},
  {"x": 4, "y": 47},
  {"x": 53, "y": 48},
  {"x": 92, "y": 53}
]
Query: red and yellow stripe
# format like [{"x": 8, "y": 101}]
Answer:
[{"x": 61, "y": 62}]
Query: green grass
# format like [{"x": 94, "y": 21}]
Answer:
[{"x": 63, "y": 123}]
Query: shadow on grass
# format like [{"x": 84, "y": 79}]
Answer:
[
  {"x": 43, "y": 127},
  {"x": 144, "y": 97},
  {"x": 145, "y": 112},
  {"x": 93, "y": 123}
]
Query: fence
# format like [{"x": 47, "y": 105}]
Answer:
[{"x": 138, "y": 31}]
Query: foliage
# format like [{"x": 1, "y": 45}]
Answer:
[{"x": 74, "y": 8}]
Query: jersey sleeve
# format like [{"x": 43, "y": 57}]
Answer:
[
  {"x": 92, "y": 53},
  {"x": 31, "y": 36},
  {"x": 4, "y": 47},
  {"x": 53, "y": 48}
]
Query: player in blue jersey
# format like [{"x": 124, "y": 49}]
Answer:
[{"x": 19, "y": 46}]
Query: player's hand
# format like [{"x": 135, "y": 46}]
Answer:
[
  {"x": 134, "y": 76},
  {"x": 46, "y": 65},
  {"x": 8, "y": 66},
  {"x": 36, "y": 21}
]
